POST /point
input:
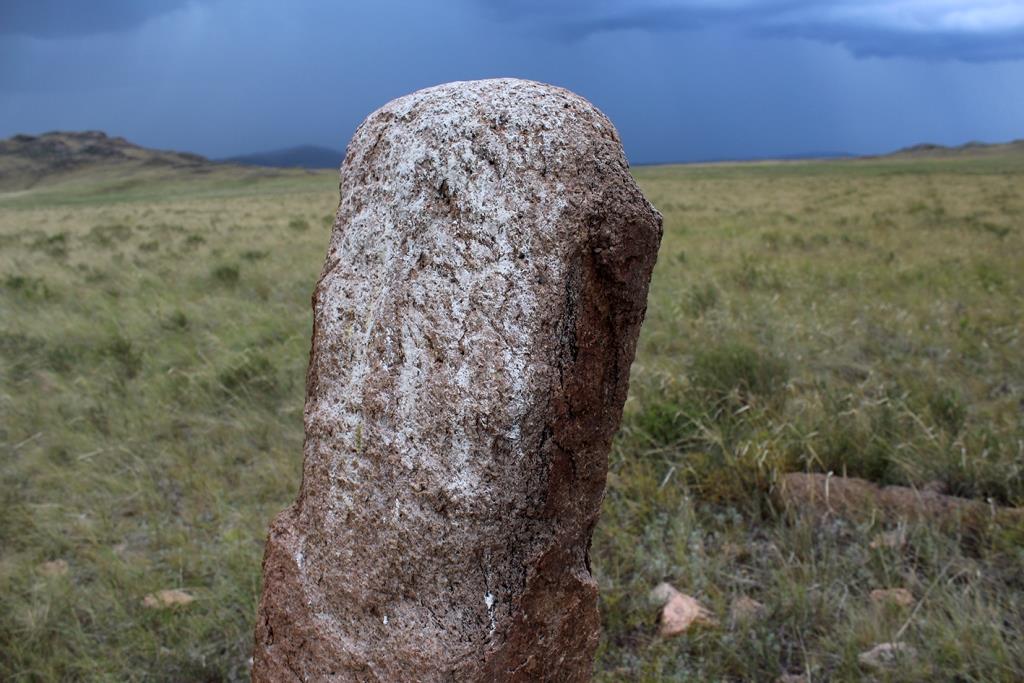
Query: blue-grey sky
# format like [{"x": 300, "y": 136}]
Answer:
[{"x": 682, "y": 79}]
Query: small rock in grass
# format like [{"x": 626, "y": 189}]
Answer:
[
  {"x": 853, "y": 498},
  {"x": 897, "y": 538},
  {"x": 661, "y": 594},
  {"x": 745, "y": 609},
  {"x": 886, "y": 655},
  {"x": 791, "y": 678},
  {"x": 53, "y": 568},
  {"x": 892, "y": 596},
  {"x": 167, "y": 598},
  {"x": 734, "y": 552},
  {"x": 680, "y": 612}
]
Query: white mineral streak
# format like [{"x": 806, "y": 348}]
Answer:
[
  {"x": 489, "y": 603},
  {"x": 485, "y": 270},
  {"x": 492, "y": 299}
]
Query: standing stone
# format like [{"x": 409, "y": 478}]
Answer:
[{"x": 473, "y": 330}]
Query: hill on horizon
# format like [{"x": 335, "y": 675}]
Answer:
[
  {"x": 973, "y": 148},
  {"x": 87, "y": 166},
  {"x": 84, "y": 163},
  {"x": 29, "y": 160},
  {"x": 301, "y": 156}
]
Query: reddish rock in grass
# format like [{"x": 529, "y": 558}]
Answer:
[
  {"x": 860, "y": 499},
  {"x": 745, "y": 610},
  {"x": 900, "y": 597},
  {"x": 896, "y": 538},
  {"x": 886, "y": 656},
  {"x": 53, "y": 568},
  {"x": 792, "y": 678},
  {"x": 474, "y": 326},
  {"x": 679, "y": 611},
  {"x": 171, "y": 597}
]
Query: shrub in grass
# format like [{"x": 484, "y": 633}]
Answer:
[
  {"x": 984, "y": 465},
  {"x": 127, "y": 358},
  {"x": 701, "y": 298},
  {"x": 251, "y": 376},
  {"x": 28, "y": 287},
  {"x": 772, "y": 240},
  {"x": 849, "y": 448},
  {"x": 62, "y": 357},
  {"x": 664, "y": 422},
  {"x": 752, "y": 274},
  {"x": 54, "y": 245},
  {"x": 990, "y": 276},
  {"x": 227, "y": 274},
  {"x": 18, "y": 353},
  {"x": 735, "y": 375},
  {"x": 106, "y": 235},
  {"x": 948, "y": 410},
  {"x": 176, "y": 321},
  {"x": 298, "y": 224},
  {"x": 999, "y": 231},
  {"x": 863, "y": 438}
]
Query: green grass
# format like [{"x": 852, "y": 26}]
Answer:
[
  {"x": 136, "y": 183},
  {"x": 856, "y": 317}
]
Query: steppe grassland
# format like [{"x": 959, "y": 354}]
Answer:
[
  {"x": 154, "y": 357},
  {"x": 849, "y": 317}
]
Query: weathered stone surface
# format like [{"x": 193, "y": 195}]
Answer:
[{"x": 474, "y": 326}]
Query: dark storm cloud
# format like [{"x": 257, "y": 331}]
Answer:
[
  {"x": 873, "y": 42},
  {"x": 968, "y": 30},
  {"x": 60, "y": 19},
  {"x": 681, "y": 79}
]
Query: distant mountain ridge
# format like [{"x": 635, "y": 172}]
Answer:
[
  {"x": 28, "y": 159},
  {"x": 973, "y": 148},
  {"x": 67, "y": 149},
  {"x": 923, "y": 150},
  {"x": 798, "y": 156},
  {"x": 59, "y": 156},
  {"x": 302, "y": 156}
]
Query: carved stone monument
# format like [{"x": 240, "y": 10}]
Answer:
[{"x": 473, "y": 330}]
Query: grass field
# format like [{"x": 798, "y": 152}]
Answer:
[{"x": 856, "y": 317}]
